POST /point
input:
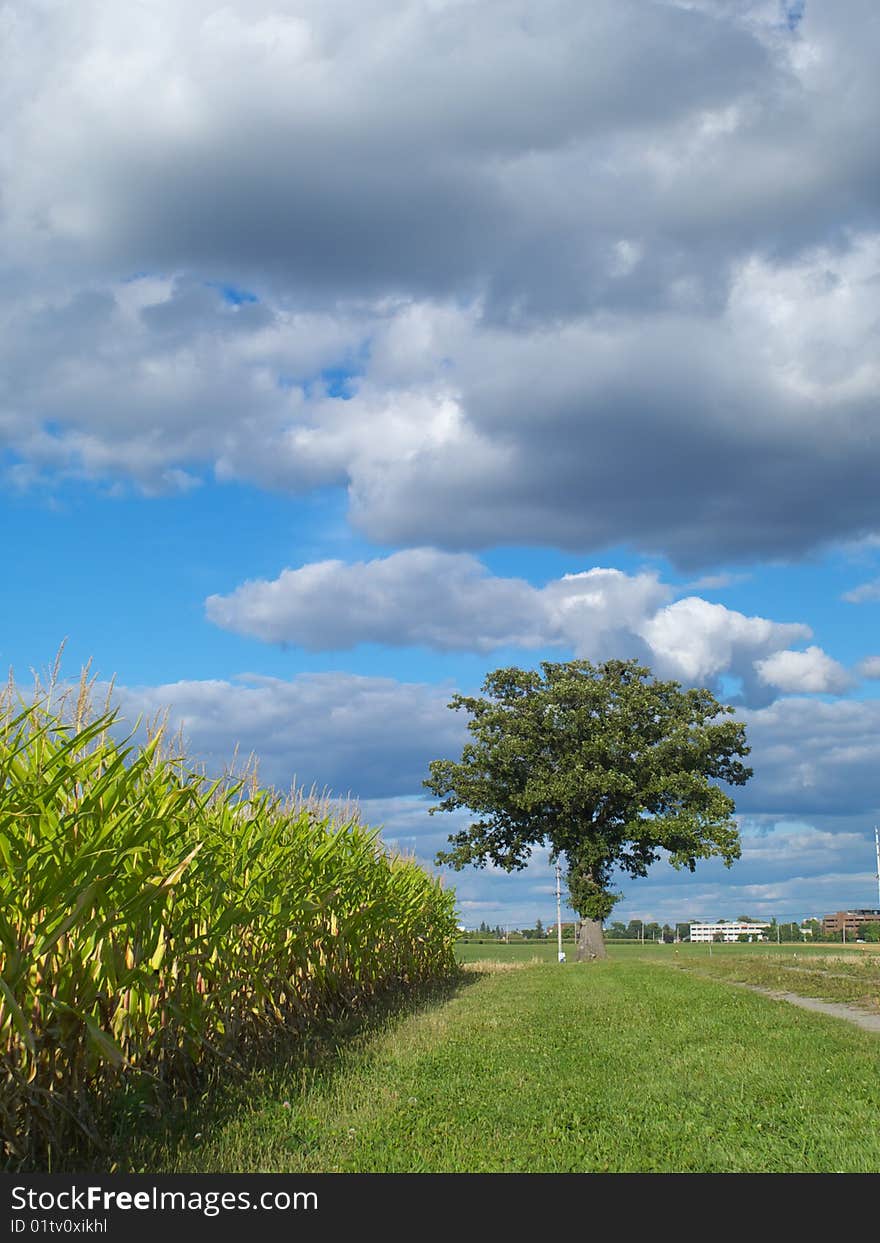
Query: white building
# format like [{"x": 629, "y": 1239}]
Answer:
[{"x": 731, "y": 931}]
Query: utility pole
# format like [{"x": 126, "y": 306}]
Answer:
[
  {"x": 559, "y": 909},
  {"x": 877, "y": 851}
]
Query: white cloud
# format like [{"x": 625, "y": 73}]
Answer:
[
  {"x": 450, "y": 601},
  {"x": 869, "y": 668},
  {"x": 442, "y": 600},
  {"x": 700, "y": 640},
  {"x": 715, "y": 582},
  {"x": 791, "y": 870},
  {"x": 863, "y": 593},
  {"x": 811, "y": 671},
  {"x": 599, "y": 612}
]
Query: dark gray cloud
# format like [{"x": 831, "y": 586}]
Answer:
[
  {"x": 606, "y": 273},
  {"x": 350, "y": 148}
]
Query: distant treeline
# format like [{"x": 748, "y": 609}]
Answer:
[{"x": 636, "y": 930}]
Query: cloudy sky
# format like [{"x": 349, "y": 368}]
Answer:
[{"x": 352, "y": 348}]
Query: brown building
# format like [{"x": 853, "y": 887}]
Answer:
[{"x": 850, "y": 920}]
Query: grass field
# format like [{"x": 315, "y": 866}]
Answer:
[
  {"x": 619, "y": 1066},
  {"x": 848, "y": 974},
  {"x": 545, "y": 951}
]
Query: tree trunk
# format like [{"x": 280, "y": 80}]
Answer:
[{"x": 591, "y": 941}]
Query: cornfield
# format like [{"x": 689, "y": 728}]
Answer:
[{"x": 154, "y": 925}]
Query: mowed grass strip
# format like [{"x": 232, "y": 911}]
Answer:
[
  {"x": 612, "y": 1067},
  {"x": 848, "y": 974},
  {"x": 852, "y": 977}
]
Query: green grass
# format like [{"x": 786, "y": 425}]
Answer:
[
  {"x": 516, "y": 951},
  {"x": 524, "y": 951},
  {"x": 619, "y": 1066},
  {"x": 829, "y": 972}
]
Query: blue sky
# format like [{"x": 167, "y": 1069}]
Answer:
[{"x": 351, "y": 351}]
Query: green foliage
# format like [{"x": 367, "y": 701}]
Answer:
[
  {"x": 870, "y": 931},
  {"x": 602, "y": 762},
  {"x": 154, "y": 926}
]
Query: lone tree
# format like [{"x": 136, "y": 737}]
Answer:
[{"x": 605, "y": 764}]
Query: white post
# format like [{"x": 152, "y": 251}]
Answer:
[
  {"x": 559, "y": 910},
  {"x": 877, "y": 849}
]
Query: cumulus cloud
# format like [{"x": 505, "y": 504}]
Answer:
[
  {"x": 420, "y": 596},
  {"x": 573, "y": 310},
  {"x": 792, "y": 871},
  {"x": 700, "y": 640},
  {"x": 799, "y": 672},
  {"x": 153, "y": 381},
  {"x": 442, "y": 600},
  {"x": 869, "y": 668},
  {"x": 450, "y": 601}
]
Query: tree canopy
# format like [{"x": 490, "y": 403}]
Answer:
[{"x": 603, "y": 763}]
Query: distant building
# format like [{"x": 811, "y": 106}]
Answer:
[
  {"x": 849, "y": 920},
  {"x": 730, "y": 931}
]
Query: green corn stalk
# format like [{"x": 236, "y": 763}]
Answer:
[{"x": 155, "y": 927}]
